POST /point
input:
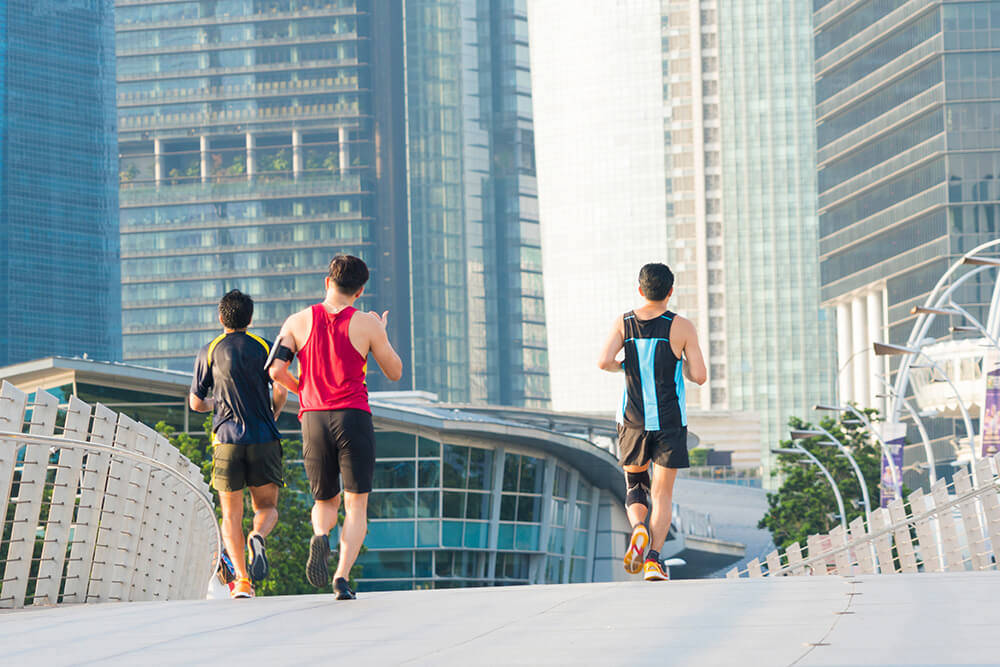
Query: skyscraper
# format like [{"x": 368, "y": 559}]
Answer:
[
  {"x": 683, "y": 134},
  {"x": 908, "y": 136},
  {"x": 478, "y": 314},
  {"x": 258, "y": 138},
  {"x": 59, "y": 265},
  {"x": 261, "y": 137}
]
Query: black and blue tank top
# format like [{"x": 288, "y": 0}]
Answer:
[{"x": 654, "y": 378}]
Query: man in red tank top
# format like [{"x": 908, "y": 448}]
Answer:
[{"x": 332, "y": 340}]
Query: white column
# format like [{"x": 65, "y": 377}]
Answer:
[
  {"x": 859, "y": 341},
  {"x": 345, "y": 157},
  {"x": 874, "y": 307},
  {"x": 251, "y": 143},
  {"x": 158, "y": 160},
  {"x": 845, "y": 378},
  {"x": 296, "y": 153},
  {"x": 204, "y": 159}
]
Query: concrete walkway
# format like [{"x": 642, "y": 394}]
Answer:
[{"x": 891, "y": 620}]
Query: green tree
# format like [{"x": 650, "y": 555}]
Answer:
[
  {"x": 804, "y": 505},
  {"x": 699, "y": 456},
  {"x": 238, "y": 167}
]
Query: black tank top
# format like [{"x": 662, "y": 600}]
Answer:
[{"x": 654, "y": 379}]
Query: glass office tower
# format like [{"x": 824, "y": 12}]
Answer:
[
  {"x": 479, "y": 321},
  {"x": 779, "y": 341},
  {"x": 908, "y": 137},
  {"x": 59, "y": 263},
  {"x": 258, "y": 138},
  {"x": 685, "y": 135}
]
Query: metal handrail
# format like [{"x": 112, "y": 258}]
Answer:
[{"x": 69, "y": 443}]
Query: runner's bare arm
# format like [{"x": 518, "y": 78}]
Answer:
[
  {"x": 279, "y": 367},
  {"x": 694, "y": 369},
  {"x": 381, "y": 348},
  {"x": 612, "y": 346},
  {"x": 201, "y": 404},
  {"x": 279, "y": 396}
]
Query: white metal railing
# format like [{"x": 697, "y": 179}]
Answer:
[
  {"x": 937, "y": 532},
  {"x": 108, "y": 510},
  {"x": 686, "y": 521}
]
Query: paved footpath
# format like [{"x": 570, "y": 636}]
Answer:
[{"x": 890, "y": 620}]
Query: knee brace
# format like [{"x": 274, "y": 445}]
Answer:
[{"x": 637, "y": 488}]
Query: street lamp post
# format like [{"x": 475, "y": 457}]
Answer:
[
  {"x": 955, "y": 310},
  {"x": 883, "y": 349},
  {"x": 820, "y": 431},
  {"x": 799, "y": 449}
]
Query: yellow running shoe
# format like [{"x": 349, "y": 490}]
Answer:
[
  {"x": 653, "y": 571},
  {"x": 242, "y": 589},
  {"x": 636, "y": 549}
]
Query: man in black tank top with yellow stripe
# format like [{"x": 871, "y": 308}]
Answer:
[{"x": 661, "y": 350}]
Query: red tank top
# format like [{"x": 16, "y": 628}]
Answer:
[{"x": 331, "y": 370}]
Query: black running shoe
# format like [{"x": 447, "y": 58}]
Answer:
[
  {"x": 226, "y": 572},
  {"x": 317, "y": 571},
  {"x": 258, "y": 557},
  {"x": 343, "y": 589}
]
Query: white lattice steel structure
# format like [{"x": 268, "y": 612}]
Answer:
[
  {"x": 107, "y": 510},
  {"x": 955, "y": 532}
]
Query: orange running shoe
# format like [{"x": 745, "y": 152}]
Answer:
[
  {"x": 636, "y": 549},
  {"x": 653, "y": 571},
  {"x": 242, "y": 589}
]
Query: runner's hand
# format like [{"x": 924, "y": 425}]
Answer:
[{"x": 383, "y": 319}]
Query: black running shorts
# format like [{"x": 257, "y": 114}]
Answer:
[
  {"x": 338, "y": 443},
  {"x": 667, "y": 447},
  {"x": 235, "y": 467}
]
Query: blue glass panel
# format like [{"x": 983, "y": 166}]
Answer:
[
  {"x": 375, "y": 586},
  {"x": 428, "y": 503},
  {"x": 386, "y": 564},
  {"x": 427, "y": 533},
  {"x": 476, "y": 535},
  {"x": 428, "y": 447},
  {"x": 430, "y": 474},
  {"x": 395, "y": 474},
  {"x": 390, "y": 504},
  {"x": 527, "y": 538},
  {"x": 393, "y": 445},
  {"x": 505, "y": 536},
  {"x": 389, "y": 534},
  {"x": 424, "y": 564},
  {"x": 556, "y": 541},
  {"x": 451, "y": 533},
  {"x": 580, "y": 544}
]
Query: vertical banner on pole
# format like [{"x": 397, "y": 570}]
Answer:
[
  {"x": 990, "y": 423},
  {"x": 894, "y": 435}
]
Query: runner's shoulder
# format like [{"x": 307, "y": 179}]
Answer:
[{"x": 681, "y": 327}]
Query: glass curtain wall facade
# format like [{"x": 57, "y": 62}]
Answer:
[
  {"x": 478, "y": 315},
  {"x": 447, "y": 516},
  {"x": 59, "y": 250},
  {"x": 258, "y": 138},
  {"x": 908, "y": 156},
  {"x": 779, "y": 341}
]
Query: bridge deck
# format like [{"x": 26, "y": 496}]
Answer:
[{"x": 902, "y": 619}]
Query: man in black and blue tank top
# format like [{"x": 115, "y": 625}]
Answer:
[{"x": 661, "y": 350}]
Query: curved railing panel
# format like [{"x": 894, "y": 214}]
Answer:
[
  {"x": 108, "y": 510},
  {"x": 887, "y": 545}
]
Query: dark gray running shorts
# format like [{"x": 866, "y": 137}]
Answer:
[
  {"x": 235, "y": 467},
  {"x": 338, "y": 443},
  {"x": 667, "y": 447}
]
